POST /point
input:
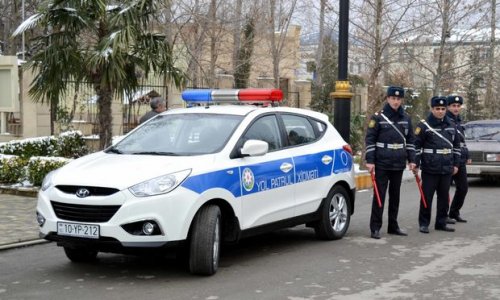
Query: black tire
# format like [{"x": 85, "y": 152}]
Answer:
[
  {"x": 80, "y": 254},
  {"x": 205, "y": 241},
  {"x": 335, "y": 215}
]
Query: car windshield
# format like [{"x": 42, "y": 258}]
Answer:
[
  {"x": 179, "y": 134},
  {"x": 482, "y": 132}
]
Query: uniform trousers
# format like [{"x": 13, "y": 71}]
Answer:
[
  {"x": 384, "y": 178},
  {"x": 439, "y": 184},
  {"x": 461, "y": 188}
]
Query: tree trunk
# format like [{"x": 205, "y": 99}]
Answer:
[
  {"x": 319, "y": 53},
  {"x": 274, "y": 50},
  {"x": 490, "y": 101},
  {"x": 375, "y": 98},
  {"x": 445, "y": 32},
  {"x": 237, "y": 35},
  {"x": 105, "y": 119}
]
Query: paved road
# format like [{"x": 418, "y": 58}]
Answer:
[
  {"x": 291, "y": 264},
  {"x": 17, "y": 219}
]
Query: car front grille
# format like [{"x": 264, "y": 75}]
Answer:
[
  {"x": 94, "y": 190},
  {"x": 476, "y": 156},
  {"x": 84, "y": 213}
]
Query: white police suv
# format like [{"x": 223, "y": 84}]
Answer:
[{"x": 200, "y": 176}]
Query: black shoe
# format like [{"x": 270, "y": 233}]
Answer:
[
  {"x": 397, "y": 232},
  {"x": 424, "y": 229},
  {"x": 375, "y": 234},
  {"x": 445, "y": 228},
  {"x": 459, "y": 219},
  {"x": 450, "y": 221}
]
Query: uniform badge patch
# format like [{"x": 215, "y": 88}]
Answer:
[
  {"x": 371, "y": 124},
  {"x": 417, "y": 130}
]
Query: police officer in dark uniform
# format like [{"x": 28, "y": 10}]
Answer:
[
  {"x": 389, "y": 145},
  {"x": 437, "y": 148},
  {"x": 461, "y": 184}
]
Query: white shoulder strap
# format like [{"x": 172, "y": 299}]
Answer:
[
  {"x": 437, "y": 133},
  {"x": 395, "y": 128}
]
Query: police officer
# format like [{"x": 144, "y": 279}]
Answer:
[
  {"x": 437, "y": 147},
  {"x": 462, "y": 186},
  {"x": 389, "y": 145}
]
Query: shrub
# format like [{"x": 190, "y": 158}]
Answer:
[
  {"x": 68, "y": 144},
  {"x": 12, "y": 169},
  {"x": 71, "y": 145},
  {"x": 38, "y": 167},
  {"x": 42, "y": 146}
]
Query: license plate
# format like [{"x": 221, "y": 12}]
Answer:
[
  {"x": 473, "y": 170},
  {"x": 78, "y": 230}
]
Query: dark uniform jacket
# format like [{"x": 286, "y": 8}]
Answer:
[
  {"x": 434, "y": 155},
  {"x": 461, "y": 136},
  {"x": 385, "y": 147}
]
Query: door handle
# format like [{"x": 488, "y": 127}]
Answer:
[
  {"x": 286, "y": 167},
  {"x": 326, "y": 159}
]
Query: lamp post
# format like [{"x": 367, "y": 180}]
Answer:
[
  {"x": 22, "y": 39},
  {"x": 342, "y": 95}
]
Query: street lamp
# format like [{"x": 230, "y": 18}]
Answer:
[{"x": 342, "y": 95}]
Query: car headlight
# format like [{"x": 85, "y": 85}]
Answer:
[
  {"x": 492, "y": 157},
  {"x": 159, "y": 185},
  {"x": 47, "y": 181}
]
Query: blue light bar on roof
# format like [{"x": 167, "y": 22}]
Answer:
[
  {"x": 233, "y": 95},
  {"x": 197, "y": 95}
]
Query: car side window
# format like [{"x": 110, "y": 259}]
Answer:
[
  {"x": 320, "y": 126},
  {"x": 265, "y": 129},
  {"x": 298, "y": 129}
]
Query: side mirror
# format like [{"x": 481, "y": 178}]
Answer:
[{"x": 254, "y": 148}]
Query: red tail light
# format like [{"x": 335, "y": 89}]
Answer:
[{"x": 347, "y": 148}]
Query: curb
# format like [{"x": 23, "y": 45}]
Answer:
[
  {"x": 23, "y": 244},
  {"x": 19, "y": 191},
  {"x": 363, "y": 181}
]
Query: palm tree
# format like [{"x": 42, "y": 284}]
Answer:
[{"x": 101, "y": 43}]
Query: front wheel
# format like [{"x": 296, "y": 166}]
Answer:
[
  {"x": 80, "y": 254},
  {"x": 205, "y": 241},
  {"x": 335, "y": 215}
]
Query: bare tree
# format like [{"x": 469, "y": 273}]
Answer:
[
  {"x": 204, "y": 31},
  {"x": 377, "y": 24},
  {"x": 444, "y": 46},
  {"x": 278, "y": 20}
]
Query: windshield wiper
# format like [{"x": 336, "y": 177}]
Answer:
[
  {"x": 156, "y": 153},
  {"x": 113, "y": 150},
  {"x": 489, "y": 134}
]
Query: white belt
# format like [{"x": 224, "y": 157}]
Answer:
[
  {"x": 390, "y": 146},
  {"x": 438, "y": 151}
]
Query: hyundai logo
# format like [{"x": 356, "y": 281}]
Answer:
[{"x": 82, "y": 193}]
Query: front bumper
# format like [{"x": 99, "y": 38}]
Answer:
[
  {"x": 173, "y": 213},
  {"x": 483, "y": 170},
  {"x": 108, "y": 244}
]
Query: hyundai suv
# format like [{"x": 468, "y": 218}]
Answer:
[{"x": 196, "y": 177}]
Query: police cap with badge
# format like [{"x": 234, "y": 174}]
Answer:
[
  {"x": 439, "y": 101},
  {"x": 455, "y": 99},
  {"x": 395, "y": 91}
]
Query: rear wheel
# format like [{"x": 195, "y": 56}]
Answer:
[
  {"x": 80, "y": 254},
  {"x": 335, "y": 215},
  {"x": 204, "y": 247}
]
